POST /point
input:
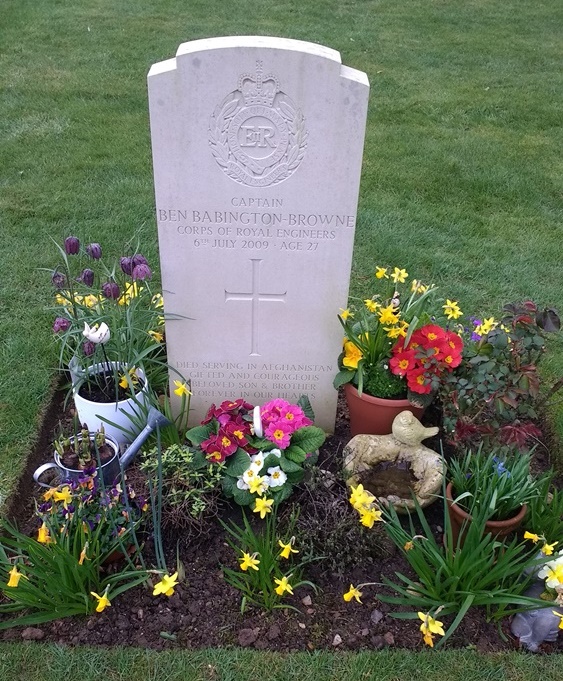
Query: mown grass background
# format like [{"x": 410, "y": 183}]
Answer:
[{"x": 462, "y": 177}]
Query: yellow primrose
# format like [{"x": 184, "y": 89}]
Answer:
[
  {"x": 451, "y": 309},
  {"x": 166, "y": 585},
  {"x": 103, "y": 600},
  {"x": 249, "y": 561},
  {"x": 388, "y": 315},
  {"x": 345, "y": 314},
  {"x": 381, "y": 272},
  {"x": 547, "y": 549},
  {"x": 399, "y": 275},
  {"x": 352, "y": 355},
  {"x": 369, "y": 516},
  {"x": 43, "y": 536},
  {"x": 287, "y": 549},
  {"x": 534, "y": 537},
  {"x": 352, "y": 593},
  {"x": 181, "y": 389},
  {"x": 263, "y": 506},
  {"x": 15, "y": 577},
  {"x": 371, "y": 305},
  {"x": 64, "y": 495},
  {"x": 283, "y": 585}
]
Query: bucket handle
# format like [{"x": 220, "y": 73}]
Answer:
[{"x": 39, "y": 472}]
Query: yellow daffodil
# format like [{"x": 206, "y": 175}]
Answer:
[
  {"x": 49, "y": 494},
  {"x": 369, "y": 516},
  {"x": 430, "y": 626},
  {"x": 166, "y": 585},
  {"x": 352, "y": 593},
  {"x": 90, "y": 300},
  {"x": 393, "y": 331},
  {"x": 418, "y": 287},
  {"x": 485, "y": 327},
  {"x": 258, "y": 485},
  {"x": 352, "y": 355},
  {"x": 381, "y": 272},
  {"x": 371, "y": 305},
  {"x": 560, "y": 618},
  {"x": 83, "y": 556},
  {"x": 15, "y": 577},
  {"x": 388, "y": 315},
  {"x": 64, "y": 495},
  {"x": 263, "y": 506},
  {"x": 157, "y": 300},
  {"x": 399, "y": 275},
  {"x": 360, "y": 497},
  {"x": 181, "y": 389},
  {"x": 287, "y": 549},
  {"x": 103, "y": 600},
  {"x": 451, "y": 309},
  {"x": 43, "y": 536},
  {"x": 345, "y": 314},
  {"x": 547, "y": 549},
  {"x": 158, "y": 337},
  {"x": 283, "y": 585},
  {"x": 249, "y": 561},
  {"x": 534, "y": 537},
  {"x": 408, "y": 546}
]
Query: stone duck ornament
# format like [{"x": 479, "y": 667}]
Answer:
[{"x": 394, "y": 467}]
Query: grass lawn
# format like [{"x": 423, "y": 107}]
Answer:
[{"x": 461, "y": 184}]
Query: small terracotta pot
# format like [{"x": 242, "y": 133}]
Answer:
[
  {"x": 374, "y": 415},
  {"x": 498, "y": 528}
]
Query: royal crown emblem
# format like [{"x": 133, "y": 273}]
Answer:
[{"x": 257, "y": 134}]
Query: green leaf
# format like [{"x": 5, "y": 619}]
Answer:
[
  {"x": 288, "y": 466},
  {"x": 342, "y": 377},
  {"x": 295, "y": 477},
  {"x": 309, "y": 438},
  {"x": 238, "y": 463},
  {"x": 295, "y": 454},
  {"x": 270, "y": 461},
  {"x": 243, "y": 496},
  {"x": 283, "y": 492},
  {"x": 199, "y": 434},
  {"x": 229, "y": 485},
  {"x": 305, "y": 404}
]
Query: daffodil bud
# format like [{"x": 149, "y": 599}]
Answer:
[
  {"x": 72, "y": 245},
  {"x": 111, "y": 290},
  {"x": 87, "y": 277},
  {"x": 141, "y": 272},
  {"x": 94, "y": 251}
]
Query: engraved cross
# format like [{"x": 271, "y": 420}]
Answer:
[{"x": 256, "y": 297}]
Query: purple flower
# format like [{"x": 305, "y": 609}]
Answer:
[
  {"x": 88, "y": 348},
  {"x": 139, "y": 259},
  {"x": 87, "y": 277},
  {"x": 61, "y": 324},
  {"x": 94, "y": 251},
  {"x": 72, "y": 245},
  {"x": 126, "y": 265},
  {"x": 141, "y": 272},
  {"x": 111, "y": 290},
  {"x": 58, "y": 280}
]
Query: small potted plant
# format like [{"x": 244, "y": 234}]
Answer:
[
  {"x": 82, "y": 453},
  {"x": 499, "y": 481},
  {"x": 394, "y": 351}
]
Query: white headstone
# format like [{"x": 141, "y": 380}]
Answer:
[{"x": 257, "y": 150}]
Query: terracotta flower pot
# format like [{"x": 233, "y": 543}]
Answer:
[
  {"x": 498, "y": 528},
  {"x": 374, "y": 415}
]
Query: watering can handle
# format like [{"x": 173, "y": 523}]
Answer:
[{"x": 39, "y": 472}]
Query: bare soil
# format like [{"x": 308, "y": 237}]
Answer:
[{"x": 204, "y": 611}]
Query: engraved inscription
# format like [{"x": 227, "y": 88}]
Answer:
[
  {"x": 257, "y": 134},
  {"x": 255, "y": 297}
]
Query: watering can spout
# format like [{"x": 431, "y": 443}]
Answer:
[{"x": 154, "y": 419}]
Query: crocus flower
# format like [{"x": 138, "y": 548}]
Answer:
[
  {"x": 72, "y": 245},
  {"x": 126, "y": 265},
  {"x": 166, "y": 585},
  {"x": 58, "y": 280},
  {"x": 249, "y": 561},
  {"x": 283, "y": 585},
  {"x": 87, "y": 277},
  {"x": 61, "y": 324},
  {"x": 103, "y": 600},
  {"x": 141, "y": 272},
  {"x": 94, "y": 251},
  {"x": 97, "y": 334},
  {"x": 352, "y": 592},
  {"x": 15, "y": 577},
  {"x": 111, "y": 290}
]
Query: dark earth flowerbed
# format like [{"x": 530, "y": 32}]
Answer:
[{"x": 204, "y": 611}]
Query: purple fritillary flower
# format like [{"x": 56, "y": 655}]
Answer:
[
  {"x": 126, "y": 265},
  {"x": 111, "y": 290},
  {"x": 141, "y": 272},
  {"x": 61, "y": 324},
  {"x": 139, "y": 259},
  {"x": 58, "y": 280},
  {"x": 87, "y": 277},
  {"x": 88, "y": 348},
  {"x": 94, "y": 251},
  {"x": 72, "y": 245}
]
